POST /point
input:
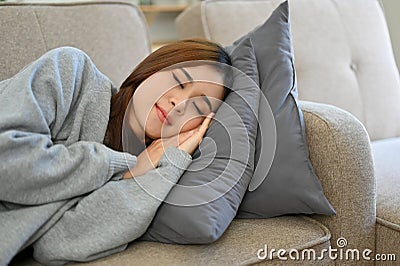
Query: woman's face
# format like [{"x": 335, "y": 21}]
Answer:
[{"x": 177, "y": 100}]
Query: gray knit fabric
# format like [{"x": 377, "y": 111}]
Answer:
[{"x": 61, "y": 188}]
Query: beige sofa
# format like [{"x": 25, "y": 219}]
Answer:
[{"x": 115, "y": 35}]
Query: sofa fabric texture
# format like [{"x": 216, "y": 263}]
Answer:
[{"x": 341, "y": 155}]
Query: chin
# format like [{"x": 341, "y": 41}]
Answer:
[{"x": 153, "y": 135}]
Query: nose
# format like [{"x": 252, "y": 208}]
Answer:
[{"x": 179, "y": 102}]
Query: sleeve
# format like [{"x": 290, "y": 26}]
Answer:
[
  {"x": 33, "y": 171},
  {"x": 105, "y": 221},
  {"x": 34, "y": 107}
]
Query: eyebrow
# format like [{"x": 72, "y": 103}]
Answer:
[
  {"x": 186, "y": 74},
  {"x": 176, "y": 79}
]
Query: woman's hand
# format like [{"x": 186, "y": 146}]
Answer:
[
  {"x": 191, "y": 143},
  {"x": 187, "y": 141}
]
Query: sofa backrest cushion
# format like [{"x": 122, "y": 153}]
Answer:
[
  {"x": 113, "y": 34},
  {"x": 343, "y": 53}
]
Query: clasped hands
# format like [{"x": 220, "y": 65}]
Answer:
[{"x": 187, "y": 141}]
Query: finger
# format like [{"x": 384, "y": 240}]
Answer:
[
  {"x": 206, "y": 123},
  {"x": 182, "y": 137},
  {"x": 177, "y": 139},
  {"x": 191, "y": 143},
  {"x": 199, "y": 134}
]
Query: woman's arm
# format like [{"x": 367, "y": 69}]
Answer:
[
  {"x": 34, "y": 171},
  {"x": 59, "y": 98},
  {"x": 106, "y": 220}
]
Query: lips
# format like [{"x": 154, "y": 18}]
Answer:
[{"x": 162, "y": 115}]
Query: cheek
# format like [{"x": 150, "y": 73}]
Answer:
[
  {"x": 191, "y": 124},
  {"x": 144, "y": 109},
  {"x": 151, "y": 125},
  {"x": 152, "y": 121}
]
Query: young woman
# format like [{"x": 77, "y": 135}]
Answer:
[{"x": 68, "y": 187}]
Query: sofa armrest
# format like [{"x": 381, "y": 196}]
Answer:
[{"x": 340, "y": 153}]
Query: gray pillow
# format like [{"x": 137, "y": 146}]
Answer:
[
  {"x": 291, "y": 185},
  {"x": 216, "y": 181}
]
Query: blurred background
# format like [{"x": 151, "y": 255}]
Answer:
[{"x": 161, "y": 14}]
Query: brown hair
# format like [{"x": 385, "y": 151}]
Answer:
[{"x": 167, "y": 55}]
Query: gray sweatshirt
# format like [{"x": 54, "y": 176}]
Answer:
[{"x": 61, "y": 189}]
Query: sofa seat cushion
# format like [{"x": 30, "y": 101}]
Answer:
[
  {"x": 238, "y": 245},
  {"x": 386, "y": 155}
]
